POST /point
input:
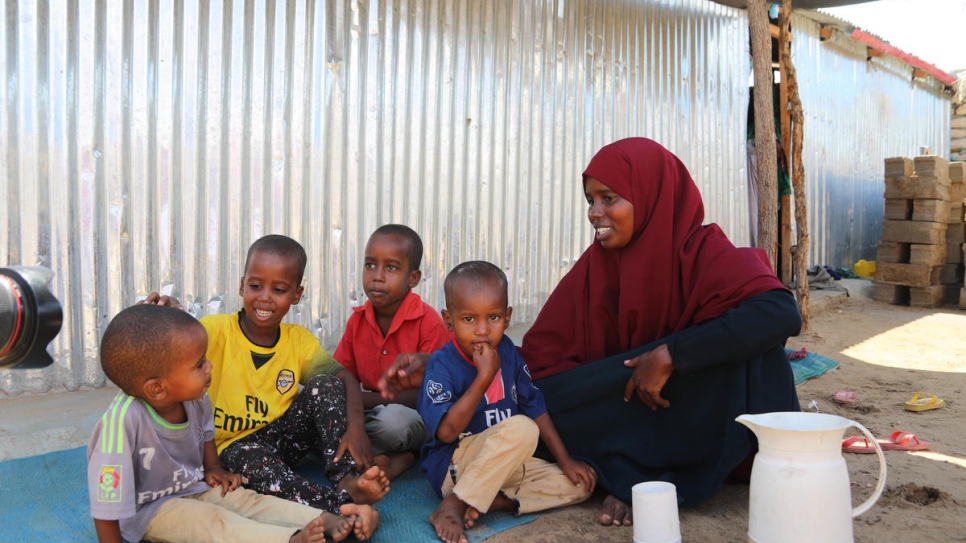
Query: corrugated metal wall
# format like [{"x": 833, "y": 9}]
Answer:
[
  {"x": 145, "y": 144},
  {"x": 857, "y": 114}
]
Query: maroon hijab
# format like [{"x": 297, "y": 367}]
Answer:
[{"x": 674, "y": 273}]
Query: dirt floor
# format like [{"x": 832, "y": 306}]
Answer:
[{"x": 886, "y": 353}]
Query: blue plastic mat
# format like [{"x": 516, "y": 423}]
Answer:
[
  {"x": 43, "y": 498},
  {"x": 811, "y": 366}
]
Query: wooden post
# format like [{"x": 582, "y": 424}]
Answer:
[
  {"x": 800, "y": 254},
  {"x": 785, "y": 221},
  {"x": 764, "y": 128}
]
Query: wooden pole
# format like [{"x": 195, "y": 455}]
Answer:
[
  {"x": 785, "y": 221},
  {"x": 800, "y": 252},
  {"x": 764, "y": 128}
]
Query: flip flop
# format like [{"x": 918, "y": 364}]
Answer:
[
  {"x": 897, "y": 441},
  {"x": 858, "y": 445},
  {"x": 903, "y": 441},
  {"x": 923, "y": 401},
  {"x": 799, "y": 354},
  {"x": 843, "y": 396}
]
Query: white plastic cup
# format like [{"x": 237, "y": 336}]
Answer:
[{"x": 656, "y": 513}]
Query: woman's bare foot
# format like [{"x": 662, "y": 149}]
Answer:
[
  {"x": 449, "y": 519},
  {"x": 365, "y": 519},
  {"x": 615, "y": 512},
  {"x": 313, "y": 532},
  {"x": 396, "y": 463},
  {"x": 366, "y": 488}
]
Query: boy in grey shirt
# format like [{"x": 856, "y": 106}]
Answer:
[{"x": 152, "y": 461}]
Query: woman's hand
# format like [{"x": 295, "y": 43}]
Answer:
[
  {"x": 651, "y": 371},
  {"x": 158, "y": 299},
  {"x": 404, "y": 374}
]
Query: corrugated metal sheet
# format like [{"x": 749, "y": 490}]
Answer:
[
  {"x": 858, "y": 112},
  {"x": 145, "y": 144}
]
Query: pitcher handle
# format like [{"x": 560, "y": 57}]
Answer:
[{"x": 880, "y": 486}]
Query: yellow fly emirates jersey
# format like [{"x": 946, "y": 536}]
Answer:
[{"x": 252, "y": 385}]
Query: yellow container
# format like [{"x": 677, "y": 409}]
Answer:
[{"x": 864, "y": 268}]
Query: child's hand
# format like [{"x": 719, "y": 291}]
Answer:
[
  {"x": 580, "y": 474},
  {"x": 486, "y": 359},
  {"x": 219, "y": 476},
  {"x": 157, "y": 299},
  {"x": 357, "y": 444}
]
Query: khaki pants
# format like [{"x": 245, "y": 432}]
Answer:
[
  {"x": 501, "y": 459},
  {"x": 240, "y": 516}
]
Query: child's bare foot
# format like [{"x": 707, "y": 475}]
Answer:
[
  {"x": 365, "y": 519},
  {"x": 615, "y": 512},
  {"x": 367, "y": 487},
  {"x": 448, "y": 519},
  {"x": 396, "y": 463},
  {"x": 470, "y": 516},
  {"x": 337, "y": 527},
  {"x": 502, "y": 502},
  {"x": 313, "y": 532}
]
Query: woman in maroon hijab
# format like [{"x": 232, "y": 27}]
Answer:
[{"x": 661, "y": 334}]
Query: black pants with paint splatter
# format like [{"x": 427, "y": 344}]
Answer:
[{"x": 316, "y": 418}]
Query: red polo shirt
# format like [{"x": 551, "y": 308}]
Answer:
[{"x": 416, "y": 328}]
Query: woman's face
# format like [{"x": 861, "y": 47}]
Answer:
[{"x": 611, "y": 216}]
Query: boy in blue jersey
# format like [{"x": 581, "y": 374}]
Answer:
[
  {"x": 153, "y": 472},
  {"x": 486, "y": 416}
]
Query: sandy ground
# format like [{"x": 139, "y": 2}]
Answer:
[{"x": 886, "y": 353}]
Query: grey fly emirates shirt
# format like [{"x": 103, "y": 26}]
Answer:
[{"x": 136, "y": 461}]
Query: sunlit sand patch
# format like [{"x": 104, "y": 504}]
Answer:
[
  {"x": 939, "y": 457},
  {"x": 907, "y": 346}
]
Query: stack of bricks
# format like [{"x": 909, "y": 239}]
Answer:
[
  {"x": 920, "y": 257},
  {"x": 953, "y": 275}
]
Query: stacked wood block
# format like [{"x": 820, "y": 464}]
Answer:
[
  {"x": 923, "y": 210},
  {"x": 953, "y": 273},
  {"x": 956, "y": 235}
]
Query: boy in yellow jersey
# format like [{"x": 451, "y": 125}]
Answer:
[
  {"x": 153, "y": 472},
  {"x": 265, "y": 425}
]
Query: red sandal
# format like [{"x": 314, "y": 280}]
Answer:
[{"x": 903, "y": 441}]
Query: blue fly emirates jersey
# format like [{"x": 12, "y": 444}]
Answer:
[{"x": 448, "y": 375}]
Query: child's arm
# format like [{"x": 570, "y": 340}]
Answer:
[
  {"x": 355, "y": 441},
  {"x": 575, "y": 470},
  {"x": 215, "y": 474},
  {"x": 108, "y": 531},
  {"x": 461, "y": 413}
]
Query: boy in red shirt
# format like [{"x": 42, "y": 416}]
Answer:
[{"x": 393, "y": 322}]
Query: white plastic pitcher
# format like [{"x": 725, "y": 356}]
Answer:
[{"x": 800, "y": 491}]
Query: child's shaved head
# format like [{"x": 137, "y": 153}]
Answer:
[
  {"x": 139, "y": 342},
  {"x": 282, "y": 246},
  {"x": 478, "y": 272},
  {"x": 414, "y": 245}
]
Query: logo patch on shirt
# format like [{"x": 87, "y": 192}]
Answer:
[
  {"x": 436, "y": 393},
  {"x": 285, "y": 380},
  {"x": 109, "y": 484},
  {"x": 495, "y": 392}
]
